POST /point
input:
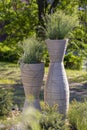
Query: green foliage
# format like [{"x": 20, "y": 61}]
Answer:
[
  {"x": 51, "y": 119},
  {"x": 78, "y": 115},
  {"x": 46, "y": 59},
  {"x": 72, "y": 61},
  {"x": 18, "y": 20},
  {"x": 8, "y": 54},
  {"x": 77, "y": 41},
  {"x": 33, "y": 51},
  {"x": 77, "y": 49},
  {"x": 59, "y": 24},
  {"x": 83, "y": 19},
  {"x": 5, "y": 101},
  {"x": 27, "y": 120},
  {"x": 32, "y": 119},
  {"x": 68, "y": 6},
  {"x": 78, "y": 37}
]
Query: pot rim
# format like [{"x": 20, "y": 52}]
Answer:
[
  {"x": 57, "y": 40},
  {"x": 20, "y": 62}
]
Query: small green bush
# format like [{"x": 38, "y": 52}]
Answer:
[
  {"x": 48, "y": 119},
  {"x": 5, "y": 101},
  {"x": 51, "y": 119},
  {"x": 72, "y": 61},
  {"x": 8, "y": 54},
  {"x": 78, "y": 115}
]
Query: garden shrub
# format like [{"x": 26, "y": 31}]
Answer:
[
  {"x": 48, "y": 119},
  {"x": 72, "y": 61},
  {"x": 5, "y": 101},
  {"x": 8, "y": 54},
  {"x": 78, "y": 115},
  {"x": 51, "y": 119}
]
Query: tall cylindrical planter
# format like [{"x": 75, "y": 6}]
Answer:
[
  {"x": 32, "y": 78},
  {"x": 57, "y": 88}
]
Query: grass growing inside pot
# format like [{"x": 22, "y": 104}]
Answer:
[
  {"x": 33, "y": 51},
  {"x": 59, "y": 24}
]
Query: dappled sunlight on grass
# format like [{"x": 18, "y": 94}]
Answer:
[
  {"x": 7, "y": 81},
  {"x": 10, "y": 76},
  {"x": 9, "y": 73},
  {"x": 77, "y": 76}
]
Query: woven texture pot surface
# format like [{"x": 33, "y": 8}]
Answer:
[
  {"x": 56, "y": 49},
  {"x": 32, "y": 78},
  {"x": 57, "y": 89}
]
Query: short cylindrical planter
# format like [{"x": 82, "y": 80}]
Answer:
[
  {"x": 57, "y": 88},
  {"x": 32, "y": 78}
]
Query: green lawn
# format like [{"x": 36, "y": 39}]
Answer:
[
  {"x": 9, "y": 73},
  {"x": 75, "y": 76},
  {"x": 10, "y": 77}
]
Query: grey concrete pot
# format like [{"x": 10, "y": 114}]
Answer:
[
  {"x": 57, "y": 90},
  {"x": 32, "y": 78}
]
